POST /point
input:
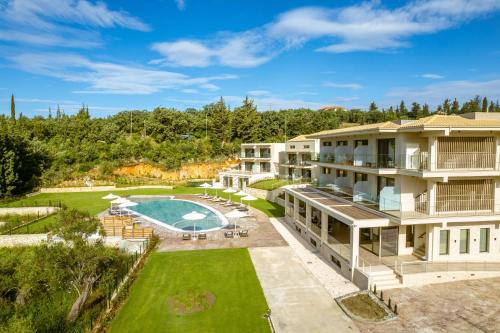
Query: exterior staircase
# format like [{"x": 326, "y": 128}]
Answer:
[
  {"x": 384, "y": 278},
  {"x": 420, "y": 252}
]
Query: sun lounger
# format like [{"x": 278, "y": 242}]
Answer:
[
  {"x": 228, "y": 234},
  {"x": 202, "y": 235},
  {"x": 244, "y": 233},
  {"x": 243, "y": 209},
  {"x": 186, "y": 236}
]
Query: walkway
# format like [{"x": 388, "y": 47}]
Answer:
[
  {"x": 333, "y": 281},
  {"x": 298, "y": 301},
  {"x": 22, "y": 240}
]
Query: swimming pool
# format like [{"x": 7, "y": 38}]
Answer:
[{"x": 169, "y": 213}]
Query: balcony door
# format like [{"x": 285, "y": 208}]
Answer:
[{"x": 386, "y": 153}]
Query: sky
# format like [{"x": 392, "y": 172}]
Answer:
[{"x": 131, "y": 54}]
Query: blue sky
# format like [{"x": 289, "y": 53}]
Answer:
[{"x": 131, "y": 54}]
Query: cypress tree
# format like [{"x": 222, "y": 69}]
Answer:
[
  {"x": 425, "y": 110},
  {"x": 484, "y": 107},
  {"x": 12, "y": 109},
  {"x": 455, "y": 107}
]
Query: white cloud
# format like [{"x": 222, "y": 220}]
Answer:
[
  {"x": 190, "y": 91},
  {"x": 431, "y": 76},
  {"x": 110, "y": 78},
  {"x": 52, "y": 22},
  {"x": 436, "y": 93},
  {"x": 259, "y": 93},
  {"x": 181, "y": 4},
  {"x": 247, "y": 49},
  {"x": 368, "y": 26},
  {"x": 352, "y": 86}
]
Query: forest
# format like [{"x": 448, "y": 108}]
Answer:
[{"x": 44, "y": 151}]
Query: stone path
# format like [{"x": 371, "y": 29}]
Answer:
[
  {"x": 333, "y": 281},
  {"x": 298, "y": 301}
]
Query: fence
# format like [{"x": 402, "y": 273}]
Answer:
[{"x": 119, "y": 288}]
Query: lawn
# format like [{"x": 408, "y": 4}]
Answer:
[
  {"x": 92, "y": 203},
  {"x": 271, "y": 184},
  {"x": 170, "y": 294}
]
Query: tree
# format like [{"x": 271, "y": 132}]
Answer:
[
  {"x": 446, "y": 106},
  {"x": 402, "y": 111},
  {"x": 425, "y": 110},
  {"x": 455, "y": 107},
  {"x": 373, "y": 107},
  {"x": 247, "y": 122},
  {"x": 484, "y": 107},
  {"x": 416, "y": 111},
  {"x": 12, "y": 109}
]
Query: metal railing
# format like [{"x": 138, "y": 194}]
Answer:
[
  {"x": 449, "y": 161},
  {"x": 415, "y": 267}
]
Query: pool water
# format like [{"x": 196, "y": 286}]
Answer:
[{"x": 170, "y": 212}]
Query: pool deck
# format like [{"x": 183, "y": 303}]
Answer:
[{"x": 261, "y": 233}]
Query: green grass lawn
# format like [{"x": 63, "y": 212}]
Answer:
[
  {"x": 228, "y": 274},
  {"x": 92, "y": 203},
  {"x": 271, "y": 184}
]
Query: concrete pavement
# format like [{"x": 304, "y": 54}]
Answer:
[{"x": 298, "y": 301}]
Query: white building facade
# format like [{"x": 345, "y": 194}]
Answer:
[
  {"x": 258, "y": 161},
  {"x": 405, "y": 203},
  {"x": 296, "y": 161}
]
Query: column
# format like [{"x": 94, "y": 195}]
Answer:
[
  {"x": 432, "y": 149},
  {"x": 324, "y": 227},
  {"x": 295, "y": 209},
  {"x": 429, "y": 242},
  {"x": 286, "y": 203},
  {"x": 431, "y": 197},
  {"x": 354, "y": 240},
  {"x": 308, "y": 215}
]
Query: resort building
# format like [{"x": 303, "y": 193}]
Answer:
[
  {"x": 295, "y": 163},
  {"x": 258, "y": 161},
  {"x": 405, "y": 202}
]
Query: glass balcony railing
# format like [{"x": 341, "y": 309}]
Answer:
[
  {"x": 361, "y": 160},
  {"x": 255, "y": 155}
]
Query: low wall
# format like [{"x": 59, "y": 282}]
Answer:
[
  {"x": 263, "y": 194},
  {"x": 22, "y": 240},
  {"x": 99, "y": 188},
  {"x": 28, "y": 210},
  {"x": 410, "y": 280}
]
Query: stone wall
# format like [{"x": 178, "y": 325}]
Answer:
[{"x": 28, "y": 210}]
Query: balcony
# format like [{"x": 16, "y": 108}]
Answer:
[
  {"x": 376, "y": 161},
  {"x": 450, "y": 161},
  {"x": 296, "y": 163},
  {"x": 344, "y": 250}
]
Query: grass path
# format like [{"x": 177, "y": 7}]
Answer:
[{"x": 228, "y": 274}]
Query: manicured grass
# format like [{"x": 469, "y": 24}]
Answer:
[
  {"x": 228, "y": 274},
  {"x": 92, "y": 203},
  {"x": 271, "y": 184}
]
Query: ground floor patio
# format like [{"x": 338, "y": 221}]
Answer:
[{"x": 463, "y": 306}]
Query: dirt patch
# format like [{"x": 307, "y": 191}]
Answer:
[
  {"x": 190, "y": 301},
  {"x": 362, "y": 305}
]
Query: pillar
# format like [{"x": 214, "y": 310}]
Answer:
[
  {"x": 354, "y": 240},
  {"x": 432, "y": 149},
  {"x": 308, "y": 215},
  {"x": 295, "y": 209},
  {"x": 431, "y": 197},
  {"x": 324, "y": 227}
]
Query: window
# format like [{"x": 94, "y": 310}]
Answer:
[
  {"x": 313, "y": 242},
  {"x": 327, "y": 143},
  {"x": 292, "y": 147},
  {"x": 341, "y": 143},
  {"x": 358, "y": 143},
  {"x": 360, "y": 177},
  {"x": 306, "y": 146},
  {"x": 444, "y": 242},
  {"x": 464, "y": 241},
  {"x": 327, "y": 171},
  {"x": 341, "y": 173},
  {"x": 484, "y": 239}
]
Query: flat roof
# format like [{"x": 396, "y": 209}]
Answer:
[{"x": 336, "y": 205}]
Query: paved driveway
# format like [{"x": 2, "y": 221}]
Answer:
[{"x": 298, "y": 301}]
